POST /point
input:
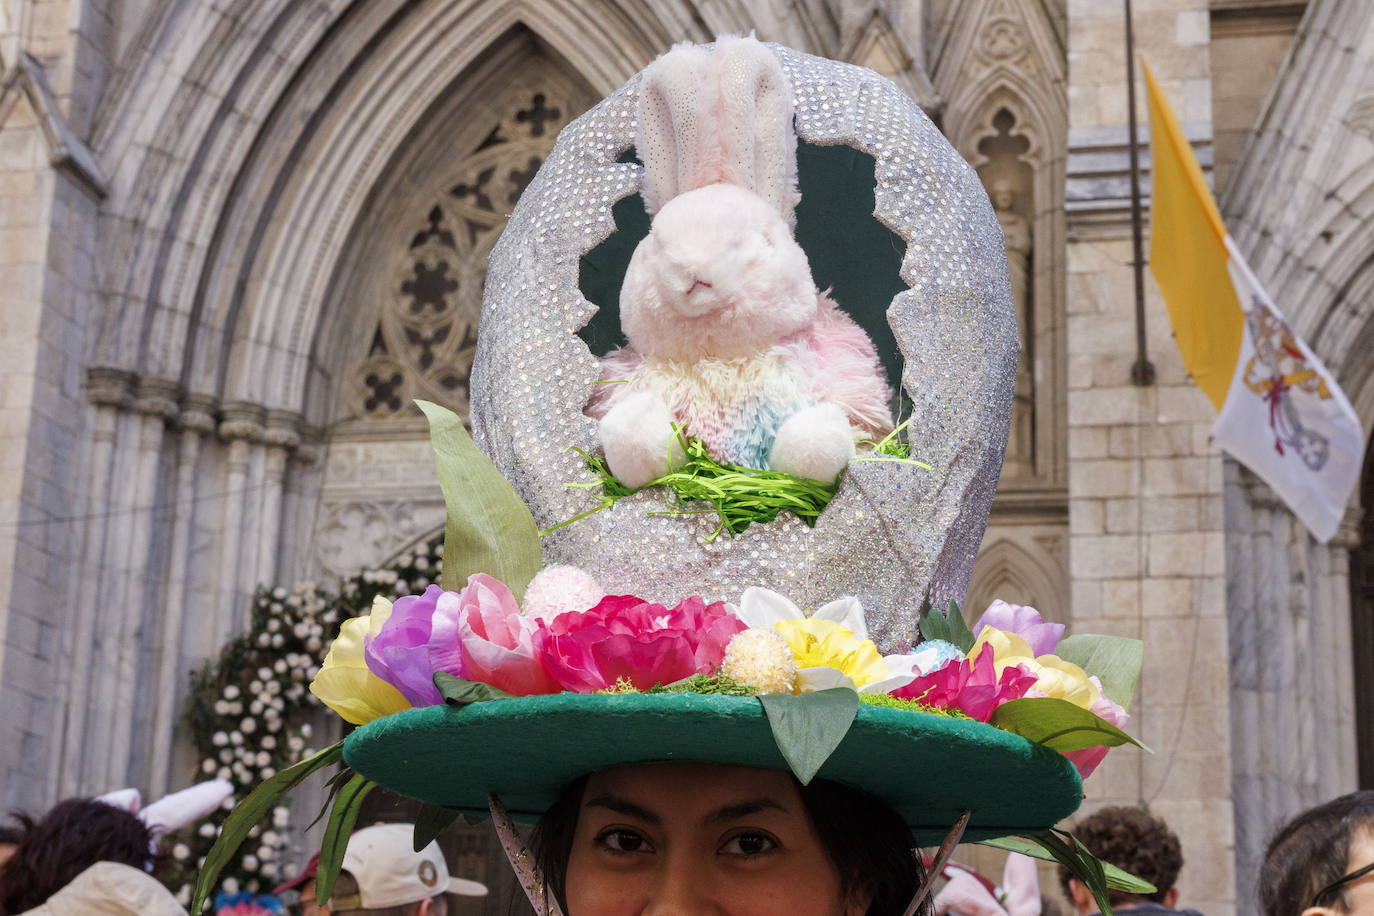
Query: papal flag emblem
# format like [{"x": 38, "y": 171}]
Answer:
[{"x": 1280, "y": 412}]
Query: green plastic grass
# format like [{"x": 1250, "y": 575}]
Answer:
[{"x": 737, "y": 496}]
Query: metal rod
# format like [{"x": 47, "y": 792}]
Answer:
[{"x": 1143, "y": 372}]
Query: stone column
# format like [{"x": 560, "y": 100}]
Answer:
[
  {"x": 110, "y": 392},
  {"x": 196, "y": 421},
  {"x": 242, "y": 427},
  {"x": 155, "y": 402},
  {"x": 281, "y": 438}
]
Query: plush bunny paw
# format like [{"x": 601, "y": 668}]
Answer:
[
  {"x": 637, "y": 437},
  {"x": 815, "y": 442}
]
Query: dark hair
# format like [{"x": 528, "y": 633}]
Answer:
[
  {"x": 1311, "y": 852},
  {"x": 11, "y": 833},
  {"x": 74, "y": 835},
  {"x": 868, "y": 842},
  {"x": 1134, "y": 840}
]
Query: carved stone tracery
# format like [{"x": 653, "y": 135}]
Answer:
[{"x": 425, "y": 337}]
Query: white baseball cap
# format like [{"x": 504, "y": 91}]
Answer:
[{"x": 389, "y": 872}]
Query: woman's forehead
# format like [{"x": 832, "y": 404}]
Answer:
[{"x": 682, "y": 786}]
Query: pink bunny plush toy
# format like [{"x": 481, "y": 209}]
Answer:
[{"x": 728, "y": 336}]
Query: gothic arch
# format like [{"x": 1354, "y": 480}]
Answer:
[
  {"x": 998, "y": 60},
  {"x": 1019, "y": 573}
]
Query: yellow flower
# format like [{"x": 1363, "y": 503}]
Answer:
[
  {"x": 1054, "y": 676},
  {"x": 762, "y": 659},
  {"x": 345, "y": 684},
  {"x": 817, "y": 643}
]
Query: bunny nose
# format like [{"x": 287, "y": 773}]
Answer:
[{"x": 693, "y": 288}]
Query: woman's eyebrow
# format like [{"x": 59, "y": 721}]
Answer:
[
  {"x": 743, "y": 809},
  {"x": 623, "y": 806}
]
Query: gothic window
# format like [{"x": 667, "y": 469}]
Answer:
[{"x": 423, "y": 342}]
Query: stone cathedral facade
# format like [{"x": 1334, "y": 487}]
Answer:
[{"x": 237, "y": 237}]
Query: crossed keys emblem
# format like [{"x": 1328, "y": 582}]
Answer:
[{"x": 1276, "y": 373}]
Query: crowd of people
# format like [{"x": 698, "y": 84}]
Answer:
[{"x": 86, "y": 856}]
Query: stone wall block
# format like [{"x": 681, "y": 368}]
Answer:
[
  {"x": 1102, "y": 478},
  {"x": 1105, "y": 557}
]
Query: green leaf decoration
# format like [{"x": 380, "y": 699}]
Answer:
[
  {"x": 458, "y": 692},
  {"x": 948, "y": 626},
  {"x": 1059, "y": 725},
  {"x": 337, "y": 832},
  {"x": 430, "y": 822},
  {"x": 808, "y": 727},
  {"x": 1117, "y": 879},
  {"x": 335, "y": 783},
  {"x": 251, "y": 810},
  {"x": 1116, "y": 661},
  {"x": 488, "y": 529}
]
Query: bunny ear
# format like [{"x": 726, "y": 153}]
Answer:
[
  {"x": 172, "y": 812},
  {"x": 677, "y": 139},
  {"x": 760, "y": 142}
]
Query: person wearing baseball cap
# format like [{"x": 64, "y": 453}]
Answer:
[{"x": 383, "y": 876}]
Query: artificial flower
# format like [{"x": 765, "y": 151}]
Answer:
[
  {"x": 497, "y": 642},
  {"x": 831, "y": 648},
  {"x": 1054, "y": 677},
  {"x": 1025, "y": 621},
  {"x": 556, "y": 590},
  {"x": 974, "y": 686},
  {"x": 627, "y": 638},
  {"x": 762, "y": 659},
  {"x": 419, "y": 638},
  {"x": 1105, "y": 708},
  {"x": 345, "y": 684},
  {"x": 933, "y": 654}
]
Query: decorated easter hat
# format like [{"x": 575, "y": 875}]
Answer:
[{"x": 583, "y": 624}]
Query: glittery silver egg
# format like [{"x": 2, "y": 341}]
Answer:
[{"x": 895, "y": 533}]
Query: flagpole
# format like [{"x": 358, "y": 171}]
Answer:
[{"x": 1143, "y": 372}]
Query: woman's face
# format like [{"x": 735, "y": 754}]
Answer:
[{"x": 680, "y": 839}]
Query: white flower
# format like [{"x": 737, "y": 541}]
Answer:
[
  {"x": 263, "y": 758},
  {"x": 421, "y": 563},
  {"x": 265, "y": 852},
  {"x": 231, "y": 692},
  {"x": 306, "y": 729},
  {"x": 268, "y": 742},
  {"x": 281, "y": 816},
  {"x": 763, "y": 608},
  {"x": 273, "y": 625},
  {"x": 184, "y": 895},
  {"x": 250, "y": 863},
  {"x": 236, "y": 737},
  {"x": 299, "y": 630},
  {"x": 270, "y": 838},
  {"x": 278, "y": 641},
  {"x": 264, "y": 640},
  {"x": 255, "y": 687},
  {"x": 279, "y": 593},
  {"x": 401, "y": 587},
  {"x": 255, "y": 707},
  {"x": 207, "y": 766},
  {"x": 279, "y": 666},
  {"x": 226, "y": 774},
  {"x": 221, "y": 707},
  {"x": 248, "y": 726},
  {"x": 181, "y": 852},
  {"x": 264, "y": 674},
  {"x": 207, "y": 830},
  {"x": 269, "y": 870},
  {"x": 230, "y": 885},
  {"x": 219, "y": 739}
]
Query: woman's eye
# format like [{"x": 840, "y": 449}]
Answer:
[
  {"x": 622, "y": 840},
  {"x": 749, "y": 844}
]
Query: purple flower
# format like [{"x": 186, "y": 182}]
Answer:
[
  {"x": 1024, "y": 621},
  {"x": 419, "y": 638}
]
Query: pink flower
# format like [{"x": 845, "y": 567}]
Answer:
[
  {"x": 1024, "y": 621},
  {"x": 970, "y": 686},
  {"x": 1104, "y": 708},
  {"x": 419, "y": 638},
  {"x": 627, "y": 637},
  {"x": 497, "y": 642}
]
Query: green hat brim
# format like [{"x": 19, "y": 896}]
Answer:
[{"x": 526, "y": 750}]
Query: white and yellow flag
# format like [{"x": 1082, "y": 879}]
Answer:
[{"x": 1280, "y": 412}]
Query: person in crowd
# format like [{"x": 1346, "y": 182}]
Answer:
[
  {"x": 1132, "y": 839},
  {"x": 10, "y": 835},
  {"x": 383, "y": 876},
  {"x": 83, "y": 856},
  {"x": 1321, "y": 863}
]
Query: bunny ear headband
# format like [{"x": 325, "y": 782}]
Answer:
[
  {"x": 172, "y": 812},
  {"x": 722, "y": 114}
]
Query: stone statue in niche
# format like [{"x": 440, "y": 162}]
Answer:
[{"x": 1017, "y": 231}]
